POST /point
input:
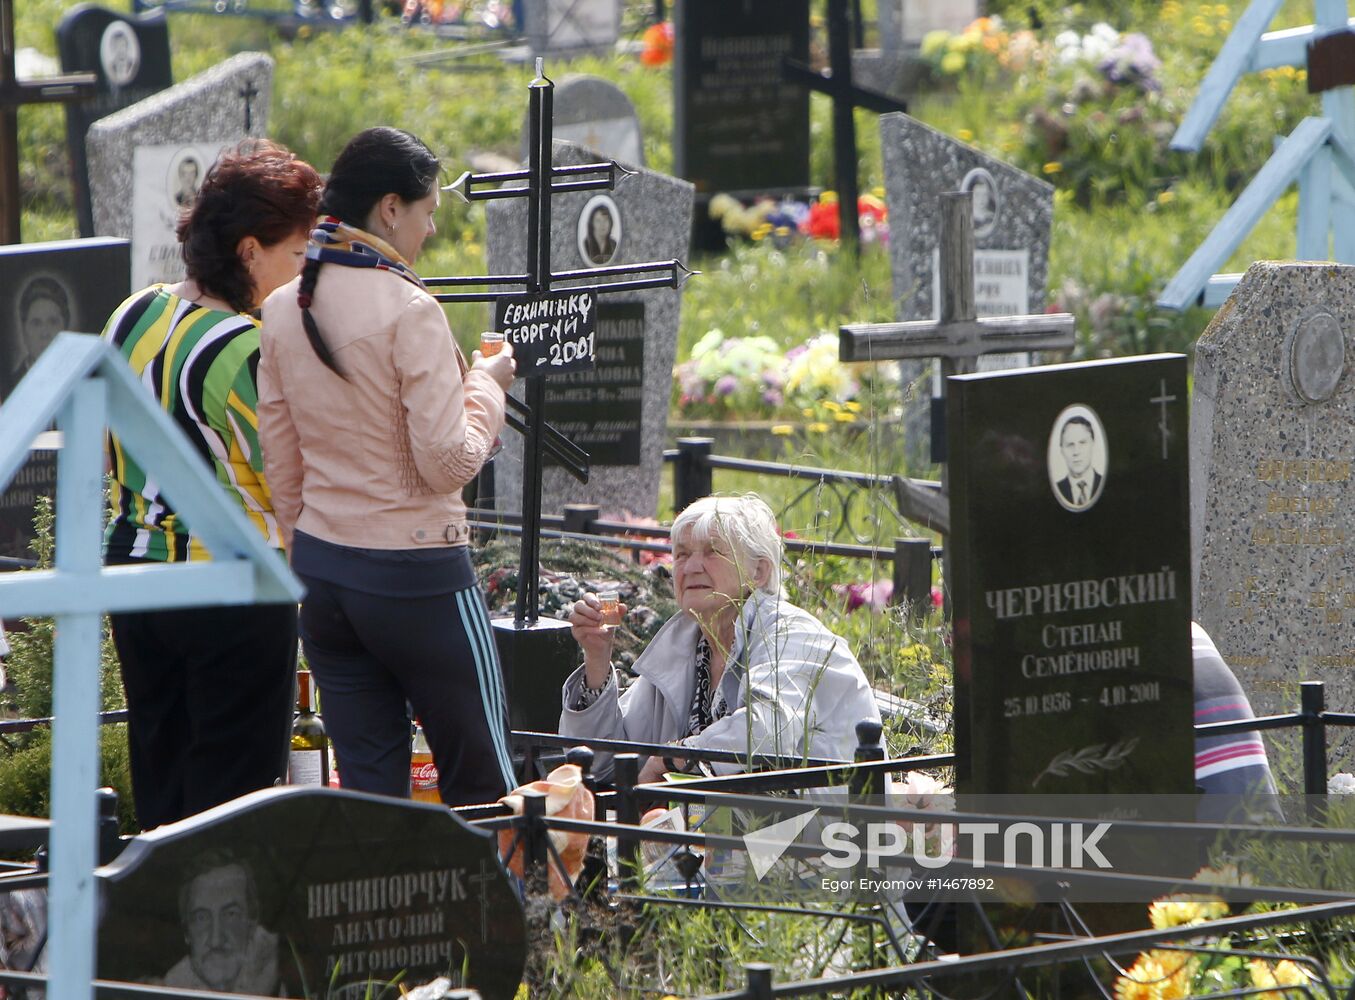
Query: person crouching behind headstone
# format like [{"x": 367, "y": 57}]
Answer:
[
  {"x": 738, "y": 669},
  {"x": 209, "y": 690}
]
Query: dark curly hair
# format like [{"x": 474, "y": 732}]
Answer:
[
  {"x": 257, "y": 189},
  {"x": 376, "y": 162}
]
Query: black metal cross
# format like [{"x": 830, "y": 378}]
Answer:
[
  {"x": 13, "y": 96},
  {"x": 541, "y": 183},
  {"x": 837, "y": 84},
  {"x": 249, "y": 92}
]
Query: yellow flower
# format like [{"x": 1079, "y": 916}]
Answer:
[
  {"x": 853, "y": 406},
  {"x": 817, "y": 427},
  {"x": 828, "y": 198},
  {"x": 845, "y": 418},
  {"x": 952, "y": 62},
  {"x": 933, "y": 42},
  {"x": 1284, "y": 973},
  {"x": 782, "y": 429},
  {"x": 832, "y": 406},
  {"x": 1052, "y": 167},
  {"x": 1165, "y": 197},
  {"x": 1156, "y": 975},
  {"x": 964, "y": 135},
  {"x": 1183, "y": 911},
  {"x": 808, "y": 411}
]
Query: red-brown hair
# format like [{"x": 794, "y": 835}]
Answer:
[{"x": 257, "y": 189}]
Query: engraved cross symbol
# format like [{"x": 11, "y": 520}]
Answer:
[
  {"x": 482, "y": 881},
  {"x": 1163, "y": 399},
  {"x": 249, "y": 92}
]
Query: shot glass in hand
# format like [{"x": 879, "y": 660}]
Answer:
[
  {"x": 611, "y": 608},
  {"x": 491, "y": 343}
]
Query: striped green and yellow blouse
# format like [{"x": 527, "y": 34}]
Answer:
[{"x": 201, "y": 365}]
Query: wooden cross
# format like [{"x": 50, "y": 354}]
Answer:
[
  {"x": 13, "y": 96},
  {"x": 960, "y": 336},
  {"x": 543, "y": 180},
  {"x": 846, "y": 96},
  {"x": 1319, "y": 153}
]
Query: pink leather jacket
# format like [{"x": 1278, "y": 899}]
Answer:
[{"x": 378, "y": 460}]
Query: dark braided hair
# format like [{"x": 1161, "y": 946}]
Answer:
[
  {"x": 257, "y": 189},
  {"x": 376, "y": 162}
]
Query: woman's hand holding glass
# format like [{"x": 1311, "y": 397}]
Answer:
[
  {"x": 592, "y": 628},
  {"x": 501, "y": 367}
]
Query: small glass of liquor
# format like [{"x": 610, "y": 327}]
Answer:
[
  {"x": 611, "y": 608},
  {"x": 491, "y": 343}
]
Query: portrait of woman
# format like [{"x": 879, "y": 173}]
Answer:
[
  {"x": 599, "y": 231},
  {"x": 44, "y": 310}
]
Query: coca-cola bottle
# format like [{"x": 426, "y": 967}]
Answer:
[{"x": 423, "y": 773}]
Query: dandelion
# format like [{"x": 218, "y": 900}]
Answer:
[
  {"x": 845, "y": 418},
  {"x": 817, "y": 427},
  {"x": 831, "y": 406},
  {"x": 1166, "y": 197},
  {"x": 852, "y": 406},
  {"x": 782, "y": 430},
  {"x": 964, "y": 135},
  {"x": 1052, "y": 167}
]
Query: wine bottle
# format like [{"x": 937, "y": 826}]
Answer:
[{"x": 308, "y": 762}]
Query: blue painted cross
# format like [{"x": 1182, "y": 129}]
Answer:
[
  {"x": 85, "y": 386},
  {"x": 1319, "y": 153}
]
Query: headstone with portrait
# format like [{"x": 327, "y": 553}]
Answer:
[
  {"x": 302, "y": 891},
  {"x": 1069, "y": 551},
  {"x": 739, "y": 123},
  {"x": 573, "y": 26},
  {"x": 596, "y": 114},
  {"x": 46, "y": 288},
  {"x": 1272, "y": 493},
  {"x": 1013, "y": 215},
  {"x": 129, "y": 57},
  {"x": 618, "y": 412},
  {"x": 148, "y": 160}
]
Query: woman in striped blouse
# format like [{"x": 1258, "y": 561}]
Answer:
[{"x": 209, "y": 691}]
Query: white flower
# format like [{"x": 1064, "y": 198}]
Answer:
[
  {"x": 1067, "y": 40},
  {"x": 1104, "y": 32},
  {"x": 1341, "y": 784}
]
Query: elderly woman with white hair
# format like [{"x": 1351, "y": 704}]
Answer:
[{"x": 739, "y": 668}]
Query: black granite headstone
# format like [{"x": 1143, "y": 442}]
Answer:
[
  {"x": 130, "y": 57},
  {"x": 302, "y": 891},
  {"x": 46, "y": 288},
  {"x": 551, "y": 332},
  {"x": 602, "y": 411},
  {"x": 1070, "y": 566},
  {"x": 739, "y": 124}
]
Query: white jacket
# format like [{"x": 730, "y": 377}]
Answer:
[{"x": 793, "y": 688}]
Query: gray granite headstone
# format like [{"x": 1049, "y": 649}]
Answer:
[
  {"x": 147, "y": 161},
  {"x": 1013, "y": 213},
  {"x": 554, "y": 26},
  {"x": 301, "y": 891},
  {"x": 596, "y": 114},
  {"x": 1272, "y": 498},
  {"x": 618, "y": 413}
]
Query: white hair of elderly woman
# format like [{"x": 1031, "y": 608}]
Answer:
[{"x": 744, "y": 523}]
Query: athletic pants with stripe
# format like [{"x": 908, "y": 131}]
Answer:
[{"x": 371, "y": 654}]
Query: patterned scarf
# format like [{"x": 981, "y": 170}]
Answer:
[
  {"x": 336, "y": 242},
  {"x": 703, "y": 711}
]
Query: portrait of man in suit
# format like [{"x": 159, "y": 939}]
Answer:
[{"x": 1077, "y": 458}]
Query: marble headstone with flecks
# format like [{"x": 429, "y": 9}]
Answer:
[
  {"x": 596, "y": 114},
  {"x": 1013, "y": 214},
  {"x": 554, "y": 26},
  {"x": 147, "y": 160},
  {"x": 619, "y": 412},
  {"x": 1272, "y": 493}
]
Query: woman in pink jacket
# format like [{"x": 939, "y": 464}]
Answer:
[{"x": 372, "y": 422}]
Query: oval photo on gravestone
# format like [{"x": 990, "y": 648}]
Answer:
[
  {"x": 1077, "y": 458},
  {"x": 599, "y": 231},
  {"x": 1315, "y": 359}
]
